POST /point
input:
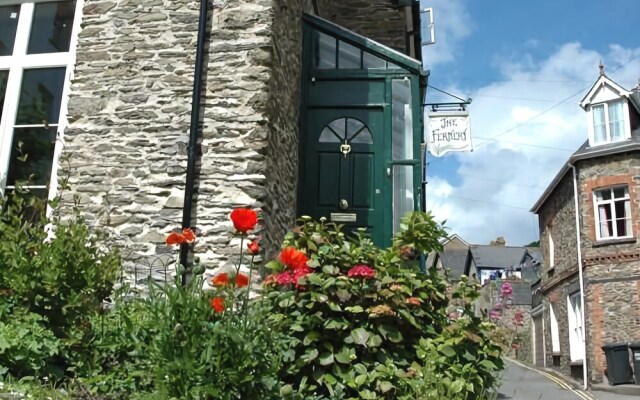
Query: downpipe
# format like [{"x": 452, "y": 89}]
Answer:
[
  {"x": 193, "y": 134},
  {"x": 580, "y": 278}
]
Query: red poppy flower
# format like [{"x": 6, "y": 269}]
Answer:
[
  {"x": 293, "y": 258},
  {"x": 361, "y": 271},
  {"x": 244, "y": 219},
  {"x": 186, "y": 236},
  {"x": 242, "y": 280},
  {"x": 254, "y": 247},
  {"x": 220, "y": 279},
  {"x": 217, "y": 303}
]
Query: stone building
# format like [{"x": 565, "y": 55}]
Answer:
[
  {"x": 306, "y": 107},
  {"x": 589, "y": 227}
]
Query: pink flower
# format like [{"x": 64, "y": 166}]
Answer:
[
  {"x": 495, "y": 315},
  {"x": 284, "y": 278},
  {"x": 361, "y": 271},
  {"x": 506, "y": 289}
]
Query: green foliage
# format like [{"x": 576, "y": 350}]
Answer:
[
  {"x": 173, "y": 345},
  {"x": 53, "y": 269},
  {"x": 462, "y": 362},
  {"x": 356, "y": 337},
  {"x": 27, "y": 347}
]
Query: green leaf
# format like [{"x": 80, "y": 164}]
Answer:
[
  {"x": 360, "y": 336},
  {"x": 326, "y": 359},
  {"x": 448, "y": 351},
  {"x": 488, "y": 365},
  {"x": 311, "y": 337},
  {"x": 385, "y": 386},
  {"x": 360, "y": 380},
  {"x": 343, "y": 356},
  {"x": 286, "y": 390},
  {"x": 390, "y": 333}
]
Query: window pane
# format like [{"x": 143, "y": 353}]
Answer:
[
  {"x": 3, "y": 88},
  {"x": 8, "y": 24},
  {"x": 616, "y": 121},
  {"x": 339, "y": 126},
  {"x": 402, "y": 120},
  {"x": 31, "y": 156},
  {"x": 619, "y": 192},
  {"x": 370, "y": 61},
  {"x": 34, "y": 203},
  {"x": 363, "y": 136},
  {"x": 403, "y": 194},
  {"x": 621, "y": 216},
  {"x": 326, "y": 58},
  {"x": 604, "y": 217},
  {"x": 348, "y": 56},
  {"x": 40, "y": 96},
  {"x": 599, "y": 125},
  {"x": 606, "y": 194},
  {"x": 51, "y": 28}
]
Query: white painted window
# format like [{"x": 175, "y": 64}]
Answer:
[
  {"x": 37, "y": 54},
  {"x": 576, "y": 335},
  {"x": 612, "y": 208},
  {"x": 552, "y": 250},
  {"x": 608, "y": 122},
  {"x": 555, "y": 332}
]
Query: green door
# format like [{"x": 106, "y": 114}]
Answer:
[{"x": 343, "y": 177}]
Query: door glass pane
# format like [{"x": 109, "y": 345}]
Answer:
[
  {"x": 51, "y": 28},
  {"x": 31, "y": 156},
  {"x": 403, "y": 193},
  {"x": 40, "y": 96},
  {"x": 327, "y": 136},
  {"x": 362, "y": 136},
  {"x": 8, "y": 24},
  {"x": 339, "y": 126},
  {"x": 348, "y": 56},
  {"x": 369, "y": 61},
  {"x": 3, "y": 88},
  {"x": 402, "y": 134},
  {"x": 326, "y": 57}
]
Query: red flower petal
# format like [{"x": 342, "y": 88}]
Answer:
[
  {"x": 220, "y": 279},
  {"x": 188, "y": 235},
  {"x": 242, "y": 280},
  {"x": 175, "y": 238},
  {"x": 244, "y": 219},
  {"x": 217, "y": 303},
  {"x": 254, "y": 247}
]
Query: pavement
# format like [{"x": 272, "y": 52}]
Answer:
[{"x": 522, "y": 382}]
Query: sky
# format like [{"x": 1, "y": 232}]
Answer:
[{"x": 526, "y": 66}]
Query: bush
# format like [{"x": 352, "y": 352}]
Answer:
[
  {"x": 51, "y": 268},
  {"x": 356, "y": 315},
  {"x": 27, "y": 347}
]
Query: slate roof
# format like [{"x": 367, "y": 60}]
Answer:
[
  {"x": 486, "y": 256},
  {"x": 455, "y": 260}
]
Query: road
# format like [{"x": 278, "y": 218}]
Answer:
[{"x": 520, "y": 383}]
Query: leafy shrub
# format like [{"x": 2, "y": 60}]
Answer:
[
  {"x": 27, "y": 347},
  {"x": 185, "y": 343},
  {"x": 462, "y": 362},
  {"x": 54, "y": 269},
  {"x": 357, "y": 314}
]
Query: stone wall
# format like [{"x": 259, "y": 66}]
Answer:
[
  {"x": 129, "y": 114},
  {"x": 381, "y": 20}
]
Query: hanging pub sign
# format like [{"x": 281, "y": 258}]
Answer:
[{"x": 449, "y": 131}]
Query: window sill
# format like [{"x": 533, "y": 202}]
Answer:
[{"x": 610, "y": 242}]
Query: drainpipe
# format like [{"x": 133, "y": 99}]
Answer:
[
  {"x": 193, "y": 133},
  {"x": 581, "y": 279}
]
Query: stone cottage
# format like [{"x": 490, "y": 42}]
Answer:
[
  {"x": 589, "y": 225},
  {"x": 298, "y": 107}
]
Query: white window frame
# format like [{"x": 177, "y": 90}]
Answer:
[
  {"x": 576, "y": 327},
  {"x": 611, "y": 202},
  {"x": 16, "y": 64},
  {"x": 555, "y": 331},
  {"x": 552, "y": 250},
  {"x": 625, "y": 119}
]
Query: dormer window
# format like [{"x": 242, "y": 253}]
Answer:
[{"x": 608, "y": 122}]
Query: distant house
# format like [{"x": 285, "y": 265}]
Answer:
[
  {"x": 454, "y": 258},
  {"x": 589, "y": 226},
  {"x": 489, "y": 262}
]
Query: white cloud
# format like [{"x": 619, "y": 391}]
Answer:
[
  {"x": 523, "y": 109},
  {"x": 452, "y": 23}
]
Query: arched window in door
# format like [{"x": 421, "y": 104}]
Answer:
[{"x": 346, "y": 130}]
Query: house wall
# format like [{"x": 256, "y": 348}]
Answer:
[
  {"x": 381, "y": 20},
  {"x": 129, "y": 114},
  {"x": 612, "y": 270},
  {"x": 130, "y": 107},
  {"x": 557, "y": 217}
]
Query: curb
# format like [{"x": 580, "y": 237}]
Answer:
[{"x": 559, "y": 380}]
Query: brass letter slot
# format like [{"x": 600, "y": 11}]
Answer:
[{"x": 342, "y": 217}]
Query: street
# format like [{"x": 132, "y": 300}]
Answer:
[{"x": 520, "y": 383}]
